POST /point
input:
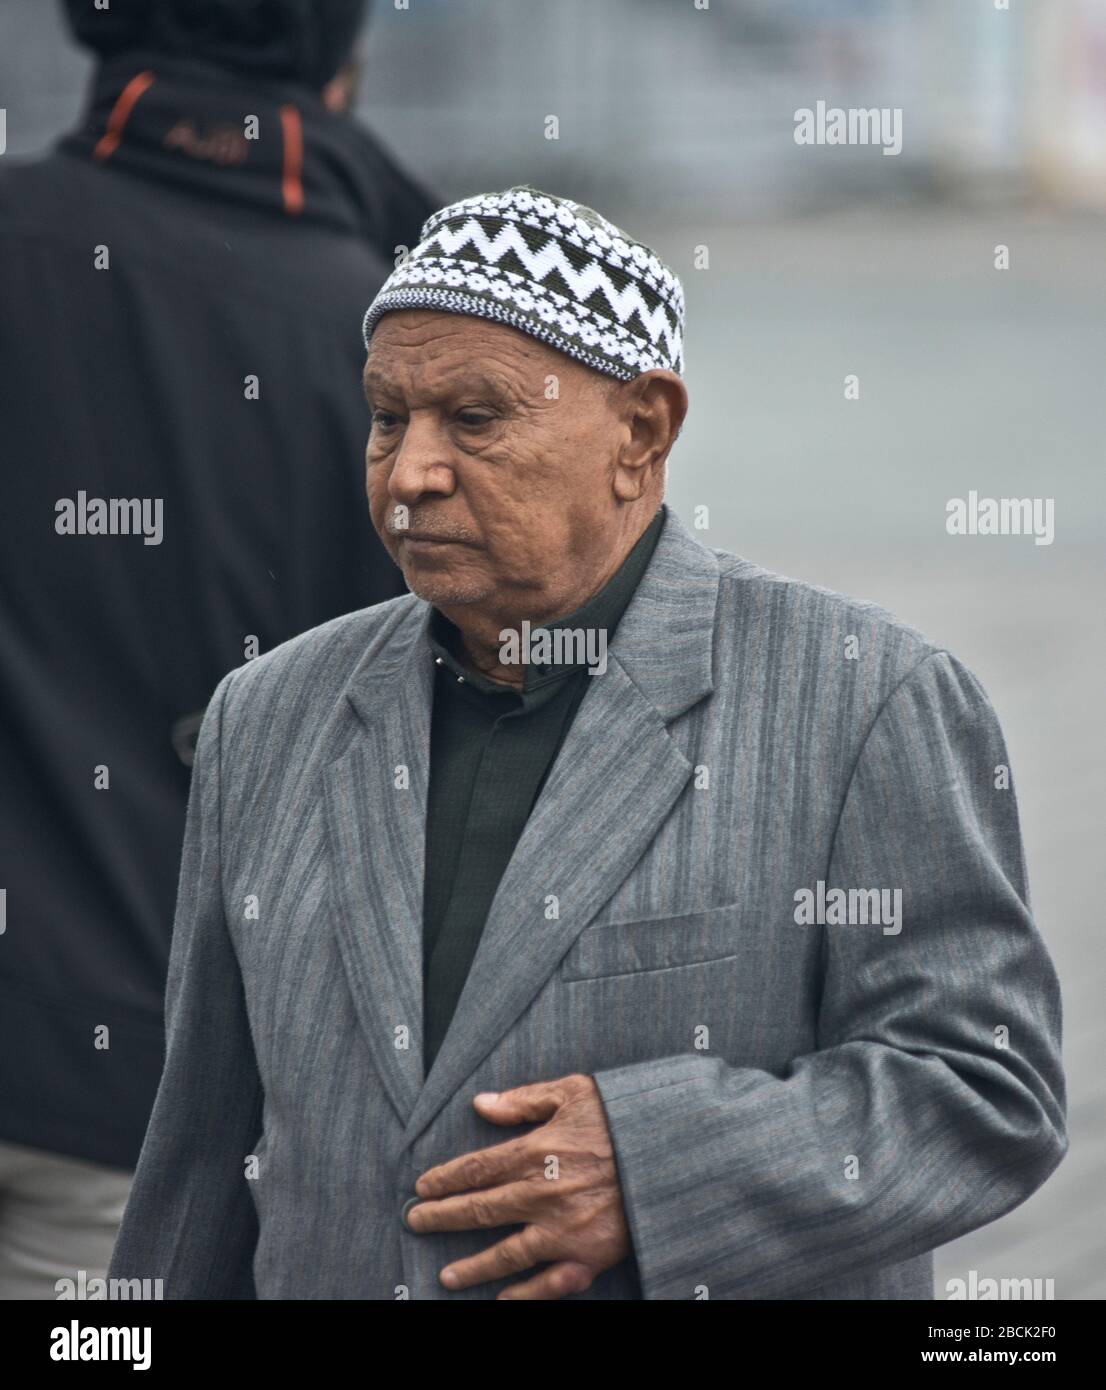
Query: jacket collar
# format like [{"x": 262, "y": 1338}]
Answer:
[
  {"x": 186, "y": 122},
  {"x": 617, "y": 755},
  {"x": 664, "y": 640}
]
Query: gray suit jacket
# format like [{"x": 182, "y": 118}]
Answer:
[{"x": 798, "y": 1111}]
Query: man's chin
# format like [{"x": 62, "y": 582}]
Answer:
[{"x": 442, "y": 590}]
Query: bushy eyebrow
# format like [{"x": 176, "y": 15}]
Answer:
[{"x": 373, "y": 381}]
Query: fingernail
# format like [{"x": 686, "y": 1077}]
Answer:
[
  {"x": 488, "y": 1096},
  {"x": 448, "y": 1278}
]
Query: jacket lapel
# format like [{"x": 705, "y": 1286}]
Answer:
[
  {"x": 615, "y": 781},
  {"x": 376, "y": 835}
]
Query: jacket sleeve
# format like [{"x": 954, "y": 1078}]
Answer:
[
  {"x": 190, "y": 1220},
  {"x": 934, "y": 1101}
]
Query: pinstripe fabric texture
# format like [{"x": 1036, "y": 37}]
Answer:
[{"x": 798, "y": 1111}]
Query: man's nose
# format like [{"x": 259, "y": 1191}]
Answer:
[{"x": 422, "y": 463}]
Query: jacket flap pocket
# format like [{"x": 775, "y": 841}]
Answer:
[{"x": 655, "y": 943}]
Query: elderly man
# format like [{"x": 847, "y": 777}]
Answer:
[{"x": 609, "y": 918}]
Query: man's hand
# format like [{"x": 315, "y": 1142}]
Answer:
[{"x": 559, "y": 1182}]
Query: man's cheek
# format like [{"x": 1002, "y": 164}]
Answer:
[{"x": 376, "y": 489}]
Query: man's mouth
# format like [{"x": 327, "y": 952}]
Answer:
[{"x": 417, "y": 544}]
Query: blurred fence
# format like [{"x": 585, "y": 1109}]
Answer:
[{"x": 660, "y": 101}]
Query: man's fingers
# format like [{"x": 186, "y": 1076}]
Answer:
[
  {"x": 509, "y": 1256},
  {"x": 482, "y": 1168},
  {"x": 502, "y": 1162},
  {"x": 558, "y": 1281},
  {"x": 472, "y": 1211},
  {"x": 523, "y": 1105}
]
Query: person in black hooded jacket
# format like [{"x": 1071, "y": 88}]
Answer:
[{"x": 182, "y": 434}]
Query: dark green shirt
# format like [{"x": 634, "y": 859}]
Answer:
[{"x": 491, "y": 748}]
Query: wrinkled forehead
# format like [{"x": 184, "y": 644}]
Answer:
[{"x": 440, "y": 352}]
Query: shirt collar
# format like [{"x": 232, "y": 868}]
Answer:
[{"x": 602, "y": 611}]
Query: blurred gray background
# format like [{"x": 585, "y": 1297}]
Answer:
[{"x": 678, "y": 122}]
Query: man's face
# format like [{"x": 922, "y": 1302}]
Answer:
[{"x": 503, "y": 452}]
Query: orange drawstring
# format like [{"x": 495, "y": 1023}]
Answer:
[
  {"x": 120, "y": 114},
  {"x": 291, "y": 184}
]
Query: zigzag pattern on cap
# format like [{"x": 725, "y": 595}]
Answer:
[
  {"x": 550, "y": 267},
  {"x": 454, "y": 241}
]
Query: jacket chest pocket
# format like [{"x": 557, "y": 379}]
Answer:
[{"x": 654, "y": 943}]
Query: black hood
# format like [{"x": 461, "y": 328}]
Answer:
[
  {"x": 290, "y": 40},
  {"x": 186, "y": 123}
]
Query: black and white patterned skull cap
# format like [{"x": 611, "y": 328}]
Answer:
[{"x": 551, "y": 268}]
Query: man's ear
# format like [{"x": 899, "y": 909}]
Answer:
[
  {"x": 653, "y": 406},
  {"x": 340, "y": 92}
]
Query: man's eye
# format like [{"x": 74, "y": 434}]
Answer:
[
  {"x": 474, "y": 419},
  {"x": 383, "y": 419}
]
